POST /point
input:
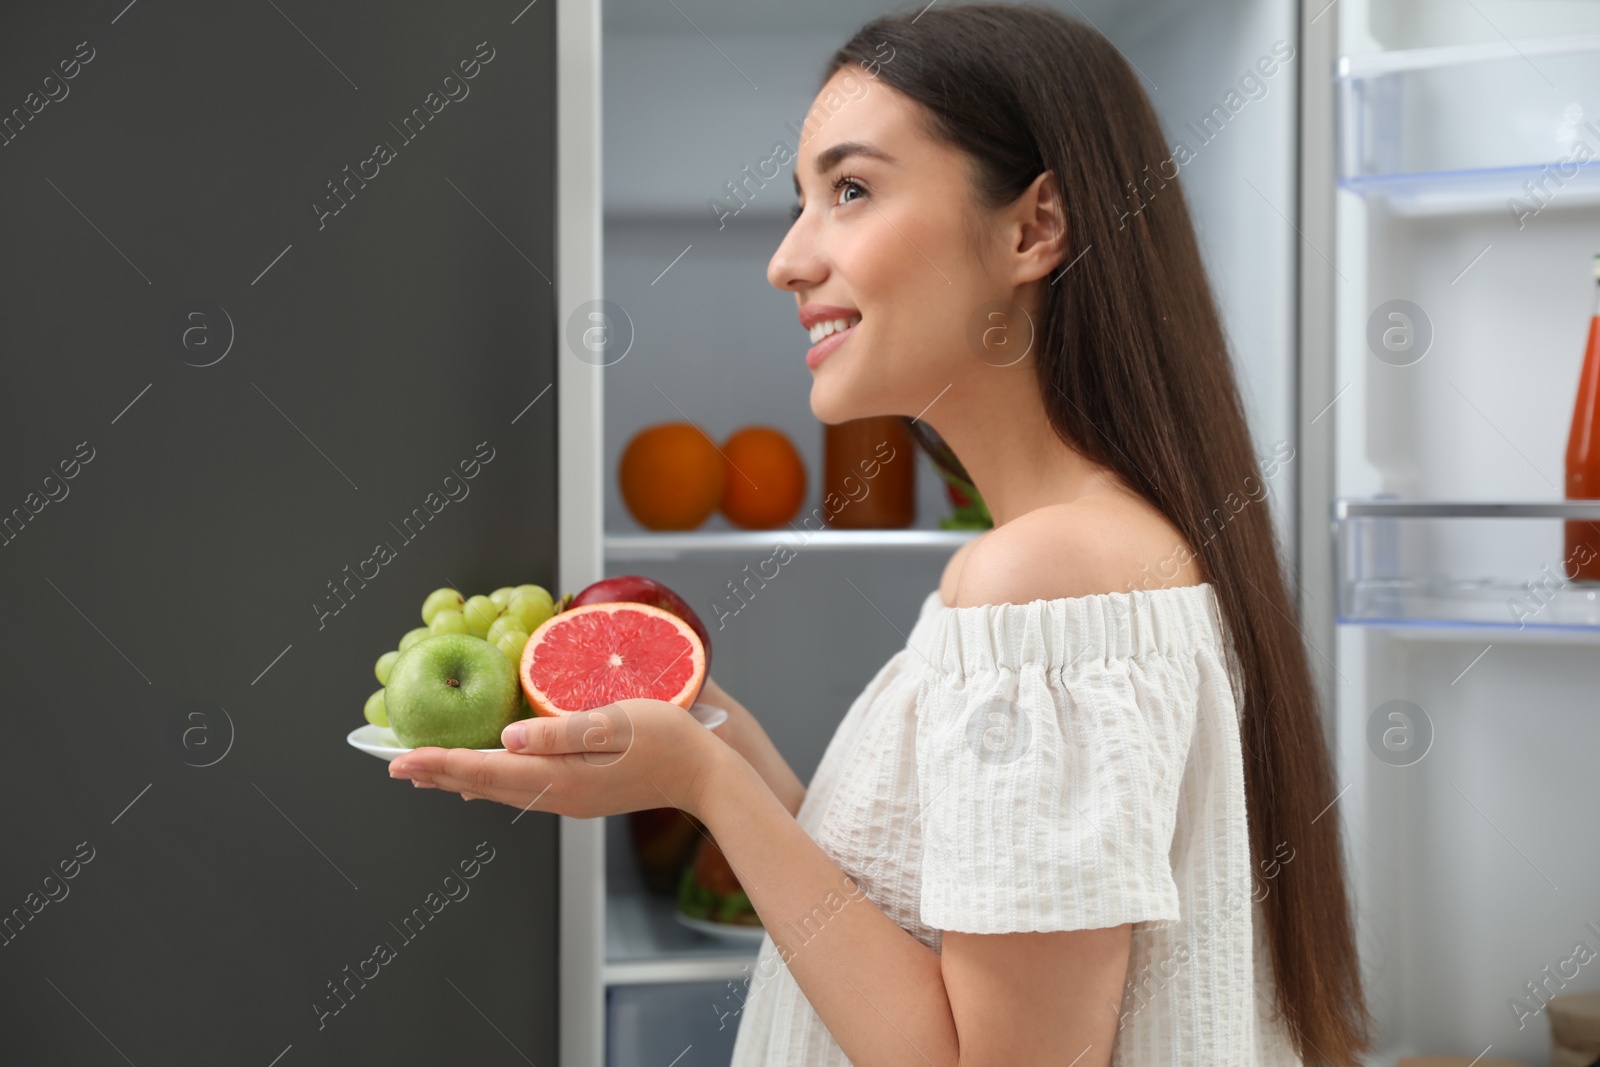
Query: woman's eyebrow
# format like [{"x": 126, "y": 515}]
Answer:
[{"x": 832, "y": 156}]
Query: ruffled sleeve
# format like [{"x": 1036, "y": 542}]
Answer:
[{"x": 1051, "y": 741}]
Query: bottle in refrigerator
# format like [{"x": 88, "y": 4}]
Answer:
[{"x": 1582, "y": 556}]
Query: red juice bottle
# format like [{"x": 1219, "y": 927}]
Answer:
[{"x": 1582, "y": 558}]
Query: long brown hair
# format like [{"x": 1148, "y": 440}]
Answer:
[{"x": 1135, "y": 375}]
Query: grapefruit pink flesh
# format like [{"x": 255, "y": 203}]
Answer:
[
  {"x": 591, "y": 656},
  {"x": 637, "y": 589}
]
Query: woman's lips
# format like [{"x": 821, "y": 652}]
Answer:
[{"x": 820, "y": 351}]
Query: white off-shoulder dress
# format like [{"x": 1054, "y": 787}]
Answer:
[{"x": 1057, "y": 765}]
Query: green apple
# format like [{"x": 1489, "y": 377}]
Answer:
[{"x": 453, "y": 691}]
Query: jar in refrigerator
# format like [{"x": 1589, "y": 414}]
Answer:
[{"x": 869, "y": 474}]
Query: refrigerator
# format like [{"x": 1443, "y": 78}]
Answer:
[
  {"x": 1450, "y": 225},
  {"x": 1381, "y": 168},
  {"x": 240, "y": 348}
]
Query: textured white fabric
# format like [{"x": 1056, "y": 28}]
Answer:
[{"x": 1057, "y": 765}]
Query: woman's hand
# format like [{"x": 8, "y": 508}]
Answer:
[{"x": 627, "y": 756}]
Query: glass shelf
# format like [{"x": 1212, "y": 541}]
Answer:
[
  {"x": 1490, "y": 189},
  {"x": 631, "y": 547},
  {"x": 1468, "y": 127},
  {"x": 645, "y": 944},
  {"x": 1463, "y": 568}
]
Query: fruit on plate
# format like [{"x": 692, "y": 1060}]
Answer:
[
  {"x": 512, "y": 643},
  {"x": 448, "y": 621},
  {"x": 479, "y": 612},
  {"x": 503, "y": 620},
  {"x": 375, "y": 711},
  {"x": 384, "y": 665},
  {"x": 764, "y": 481},
  {"x": 671, "y": 476},
  {"x": 530, "y": 605},
  {"x": 454, "y": 691},
  {"x": 503, "y": 625},
  {"x": 638, "y": 589},
  {"x": 590, "y": 656},
  {"x": 710, "y": 890},
  {"x": 413, "y": 636},
  {"x": 439, "y": 600}
]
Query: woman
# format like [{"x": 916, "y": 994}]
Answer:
[{"x": 1077, "y": 818}]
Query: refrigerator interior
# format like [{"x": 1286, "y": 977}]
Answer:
[
  {"x": 1474, "y": 868},
  {"x": 693, "y": 94}
]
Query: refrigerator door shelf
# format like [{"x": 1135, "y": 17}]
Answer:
[
  {"x": 1412, "y": 125},
  {"x": 1472, "y": 607},
  {"x": 1464, "y": 567}
]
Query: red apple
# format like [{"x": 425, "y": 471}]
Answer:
[{"x": 637, "y": 589}]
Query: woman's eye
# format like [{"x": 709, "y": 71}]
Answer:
[{"x": 843, "y": 188}]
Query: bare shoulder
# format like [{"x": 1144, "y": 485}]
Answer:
[
  {"x": 1105, "y": 543},
  {"x": 953, "y": 567}
]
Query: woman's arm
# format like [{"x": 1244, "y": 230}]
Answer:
[
  {"x": 1016, "y": 999},
  {"x": 1013, "y": 999},
  {"x": 744, "y": 735}
]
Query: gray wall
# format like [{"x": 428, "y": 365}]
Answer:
[{"x": 237, "y": 870}]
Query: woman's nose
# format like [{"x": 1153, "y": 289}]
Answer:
[{"x": 797, "y": 264}]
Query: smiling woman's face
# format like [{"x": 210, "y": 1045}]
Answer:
[{"x": 884, "y": 239}]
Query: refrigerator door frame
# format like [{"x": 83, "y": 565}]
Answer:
[
  {"x": 579, "y": 495},
  {"x": 1316, "y": 368}
]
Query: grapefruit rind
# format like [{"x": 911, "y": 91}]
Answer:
[{"x": 590, "y": 656}]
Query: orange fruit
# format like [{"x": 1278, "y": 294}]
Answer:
[
  {"x": 764, "y": 482},
  {"x": 671, "y": 476},
  {"x": 587, "y": 657}
]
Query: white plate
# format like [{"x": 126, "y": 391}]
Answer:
[
  {"x": 727, "y": 931},
  {"x": 380, "y": 741}
]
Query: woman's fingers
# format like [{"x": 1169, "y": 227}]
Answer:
[
  {"x": 606, "y": 729},
  {"x": 465, "y": 771},
  {"x": 518, "y": 780}
]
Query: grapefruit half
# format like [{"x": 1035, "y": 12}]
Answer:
[{"x": 590, "y": 656}]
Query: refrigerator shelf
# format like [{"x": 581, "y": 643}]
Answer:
[
  {"x": 1462, "y": 192},
  {"x": 631, "y": 547},
  {"x": 1438, "y": 568},
  {"x": 1472, "y": 127},
  {"x": 1465, "y": 609},
  {"x": 645, "y": 945},
  {"x": 1393, "y": 508}
]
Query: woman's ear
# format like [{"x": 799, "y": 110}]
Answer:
[{"x": 1041, "y": 221}]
